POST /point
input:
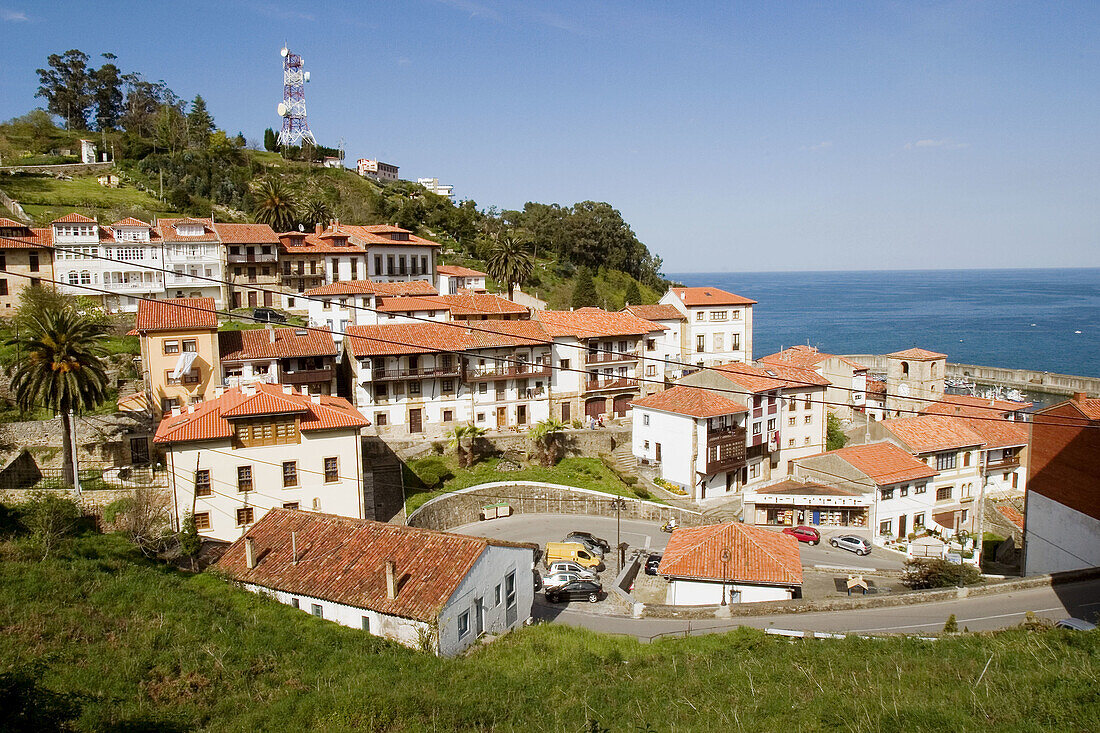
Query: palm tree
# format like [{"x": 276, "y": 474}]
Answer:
[
  {"x": 61, "y": 369},
  {"x": 274, "y": 203},
  {"x": 315, "y": 211},
  {"x": 463, "y": 438},
  {"x": 547, "y": 435},
  {"x": 510, "y": 261}
]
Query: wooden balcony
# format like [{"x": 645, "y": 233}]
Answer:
[
  {"x": 729, "y": 446},
  {"x": 380, "y": 375},
  {"x": 517, "y": 371},
  {"x": 608, "y": 356},
  {"x": 610, "y": 383},
  {"x": 306, "y": 376},
  {"x": 1004, "y": 464}
]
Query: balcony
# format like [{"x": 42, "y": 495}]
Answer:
[
  {"x": 134, "y": 287},
  {"x": 512, "y": 372},
  {"x": 728, "y": 447},
  {"x": 608, "y": 383},
  {"x": 1004, "y": 464},
  {"x": 306, "y": 376},
  {"x": 379, "y": 375},
  {"x": 242, "y": 258},
  {"x": 605, "y": 356},
  {"x": 240, "y": 380}
]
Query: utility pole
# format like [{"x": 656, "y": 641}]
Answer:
[
  {"x": 618, "y": 503},
  {"x": 76, "y": 464},
  {"x": 726, "y": 556}
]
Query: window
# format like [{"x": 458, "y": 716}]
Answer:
[
  {"x": 718, "y": 315},
  {"x": 171, "y": 346},
  {"x": 499, "y": 594},
  {"x": 887, "y": 494},
  {"x": 315, "y": 609},
  {"x": 3, "y": 287},
  {"x": 34, "y": 262},
  {"x": 645, "y": 444},
  {"x": 380, "y": 418},
  {"x": 563, "y": 364},
  {"x": 645, "y": 419},
  {"x": 754, "y": 470},
  {"x": 943, "y": 493},
  {"x": 448, "y": 386},
  {"x": 791, "y": 421},
  {"x": 700, "y": 316},
  {"x": 700, "y": 343},
  {"x": 290, "y": 505},
  {"x": 190, "y": 345},
  {"x": 809, "y": 419},
  {"x": 964, "y": 515},
  {"x": 771, "y": 425},
  {"x": 366, "y": 624},
  {"x": 966, "y": 458},
  {"x": 904, "y": 491},
  {"x": 510, "y": 589},
  {"x": 202, "y": 482},
  {"x": 244, "y": 516},
  {"x": 807, "y": 403},
  {"x": 414, "y": 388},
  {"x": 448, "y": 416},
  {"x": 920, "y": 488},
  {"x": 806, "y": 441},
  {"x": 735, "y": 341},
  {"x": 332, "y": 472},
  {"x": 463, "y": 624},
  {"x": 756, "y": 428},
  {"x": 945, "y": 461},
  {"x": 790, "y": 442},
  {"x": 886, "y": 527},
  {"x": 244, "y": 478},
  {"x": 651, "y": 370},
  {"x": 481, "y": 417},
  {"x": 202, "y": 520},
  {"x": 290, "y": 473},
  {"x": 483, "y": 388},
  {"x": 193, "y": 376},
  {"x": 737, "y": 315}
]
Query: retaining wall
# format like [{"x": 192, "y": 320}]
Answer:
[
  {"x": 533, "y": 497},
  {"x": 576, "y": 441},
  {"x": 66, "y": 169}
]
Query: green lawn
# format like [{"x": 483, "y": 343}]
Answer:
[
  {"x": 138, "y": 646},
  {"x": 583, "y": 473},
  {"x": 45, "y": 198}
]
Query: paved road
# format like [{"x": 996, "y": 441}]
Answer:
[{"x": 978, "y": 613}]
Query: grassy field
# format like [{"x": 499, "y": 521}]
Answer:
[
  {"x": 139, "y": 646},
  {"x": 45, "y": 198},
  {"x": 584, "y": 473}
]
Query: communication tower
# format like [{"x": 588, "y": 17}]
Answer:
[{"x": 293, "y": 107}]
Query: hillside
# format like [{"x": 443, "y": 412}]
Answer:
[{"x": 130, "y": 645}]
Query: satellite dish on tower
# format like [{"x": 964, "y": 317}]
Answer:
[
  {"x": 283, "y": 51},
  {"x": 282, "y": 109},
  {"x": 306, "y": 75}
]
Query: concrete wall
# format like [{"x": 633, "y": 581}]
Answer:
[
  {"x": 485, "y": 584},
  {"x": 1058, "y": 538},
  {"x": 709, "y": 593},
  {"x": 531, "y": 497}
]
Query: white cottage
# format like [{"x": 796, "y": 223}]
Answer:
[{"x": 429, "y": 590}]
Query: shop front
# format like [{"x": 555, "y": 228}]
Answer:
[{"x": 791, "y": 503}]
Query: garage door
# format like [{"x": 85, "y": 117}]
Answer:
[
  {"x": 595, "y": 407},
  {"x": 622, "y": 404}
]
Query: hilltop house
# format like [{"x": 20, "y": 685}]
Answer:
[
  {"x": 353, "y": 302},
  {"x": 453, "y": 278},
  {"x": 252, "y": 259},
  {"x": 124, "y": 260}
]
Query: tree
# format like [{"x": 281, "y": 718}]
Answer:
[
  {"x": 584, "y": 291},
  {"x": 50, "y": 518},
  {"x": 106, "y": 89},
  {"x": 274, "y": 203},
  {"x": 270, "y": 141},
  {"x": 835, "y": 439},
  {"x": 143, "y": 517},
  {"x": 547, "y": 435},
  {"x": 199, "y": 123},
  {"x": 143, "y": 101},
  {"x": 633, "y": 296},
  {"x": 463, "y": 440},
  {"x": 316, "y": 211},
  {"x": 61, "y": 369},
  {"x": 510, "y": 262},
  {"x": 65, "y": 87},
  {"x": 190, "y": 542}
]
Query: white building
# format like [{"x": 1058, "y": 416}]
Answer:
[
  {"x": 432, "y": 591},
  {"x": 453, "y": 278},
  {"x": 123, "y": 259},
  {"x": 694, "y": 437},
  {"x": 718, "y": 324},
  {"x": 376, "y": 169},
  {"x": 434, "y": 186},
  {"x": 792, "y": 502},
  {"x": 847, "y": 390},
  {"x": 356, "y": 302},
  {"x": 730, "y": 563},
  {"x": 672, "y": 343},
  {"x": 393, "y": 254},
  {"x": 196, "y": 258},
  {"x": 248, "y": 450}
]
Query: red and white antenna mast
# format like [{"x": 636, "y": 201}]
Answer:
[{"x": 293, "y": 107}]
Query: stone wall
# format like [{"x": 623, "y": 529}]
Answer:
[
  {"x": 13, "y": 206},
  {"x": 577, "y": 442},
  {"x": 99, "y": 438},
  {"x": 63, "y": 169},
  {"x": 533, "y": 497}
]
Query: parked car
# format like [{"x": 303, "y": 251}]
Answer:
[
  {"x": 803, "y": 534},
  {"x": 568, "y": 566},
  {"x": 537, "y": 580},
  {"x": 574, "y": 551},
  {"x": 652, "y": 563},
  {"x": 852, "y": 543},
  {"x": 589, "y": 540},
  {"x": 1077, "y": 624},
  {"x": 268, "y": 315},
  {"x": 578, "y": 590},
  {"x": 558, "y": 579}
]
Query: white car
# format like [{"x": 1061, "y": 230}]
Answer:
[
  {"x": 568, "y": 566},
  {"x": 558, "y": 579}
]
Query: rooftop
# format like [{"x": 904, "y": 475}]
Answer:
[
  {"x": 659, "y": 312},
  {"x": 790, "y": 487},
  {"x": 807, "y": 357},
  {"x": 586, "y": 323},
  {"x": 424, "y": 338},
  {"x": 691, "y": 401},
  {"x": 917, "y": 354},
  {"x": 702, "y": 296},
  {"x": 246, "y": 234},
  {"x": 930, "y": 433},
  {"x": 174, "y": 314},
  {"x": 369, "y": 287},
  {"x": 462, "y": 303},
  {"x": 884, "y": 463},
  {"x": 768, "y": 377},
  {"x": 275, "y": 343},
  {"x": 458, "y": 271},
  {"x": 971, "y": 406},
  {"x": 167, "y": 229},
  {"x": 754, "y": 555}
]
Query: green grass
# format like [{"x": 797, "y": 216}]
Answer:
[
  {"x": 148, "y": 648},
  {"x": 45, "y": 198},
  {"x": 583, "y": 473}
]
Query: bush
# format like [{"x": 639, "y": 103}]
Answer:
[
  {"x": 431, "y": 471},
  {"x": 50, "y": 519},
  {"x": 951, "y": 626},
  {"x": 920, "y": 574}
]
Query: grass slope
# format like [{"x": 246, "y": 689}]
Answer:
[
  {"x": 147, "y": 647},
  {"x": 45, "y": 198}
]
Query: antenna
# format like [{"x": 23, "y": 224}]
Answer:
[{"x": 293, "y": 107}]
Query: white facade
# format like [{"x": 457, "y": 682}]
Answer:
[
  {"x": 668, "y": 441},
  {"x": 1005, "y": 474},
  {"x": 123, "y": 261},
  {"x": 903, "y": 508},
  {"x": 1058, "y": 538},
  {"x": 684, "y": 592},
  {"x": 197, "y": 271},
  {"x": 391, "y": 263},
  {"x": 433, "y": 185},
  {"x": 802, "y": 425},
  {"x": 713, "y": 334},
  {"x": 376, "y": 169},
  {"x": 451, "y": 284}
]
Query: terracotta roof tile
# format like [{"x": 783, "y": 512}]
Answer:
[
  {"x": 807, "y": 357},
  {"x": 703, "y": 296},
  {"x": 595, "y": 322},
  {"x": 309, "y": 243},
  {"x": 929, "y": 433},
  {"x": 343, "y": 560},
  {"x": 768, "y": 377},
  {"x": 7, "y": 223},
  {"x": 73, "y": 218},
  {"x": 246, "y": 234},
  {"x": 756, "y": 555},
  {"x": 1012, "y": 514},
  {"x": 176, "y": 314},
  {"x": 132, "y": 222},
  {"x": 167, "y": 229},
  {"x": 458, "y": 271},
  {"x": 971, "y": 406},
  {"x": 427, "y": 338},
  {"x": 691, "y": 401},
  {"x": 31, "y": 238},
  {"x": 208, "y": 421},
  {"x": 917, "y": 354},
  {"x": 876, "y": 387},
  {"x": 884, "y": 463},
  {"x": 659, "y": 312},
  {"x": 275, "y": 343},
  {"x": 369, "y": 287},
  {"x": 374, "y": 235},
  {"x": 790, "y": 487},
  {"x": 462, "y": 303}
]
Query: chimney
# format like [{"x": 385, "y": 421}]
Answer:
[
  {"x": 391, "y": 580},
  {"x": 294, "y": 548},
  {"x": 190, "y": 408},
  {"x": 249, "y": 553},
  {"x": 317, "y": 229},
  {"x": 1078, "y": 396},
  {"x": 288, "y": 389},
  {"x": 270, "y": 333},
  {"x": 219, "y": 391},
  {"x": 315, "y": 399}
]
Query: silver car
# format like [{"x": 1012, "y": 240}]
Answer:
[
  {"x": 568, "y": 566},
  {"x": 558, "y": 579},
  {"x": 852, "y": 543}
]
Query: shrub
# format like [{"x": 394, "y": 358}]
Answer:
[
  {"x": 642, "y": 492},
  {"x": 952, "y": 626},
  {"x": 921, "y": 573},
  {"x": 50, "y": 519},
  {"x": 431, "y": 471}
]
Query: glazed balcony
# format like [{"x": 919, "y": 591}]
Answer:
[
  {"x": 516, "y": 371},
  {"x": 729, "y": 445},
  {"x": 607, "y": 356},
  {"x": 306, "y": 376}
]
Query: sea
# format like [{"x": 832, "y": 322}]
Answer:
[{"x": 1044, "y": 320}]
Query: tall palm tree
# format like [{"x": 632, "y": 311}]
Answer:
[
  {"x": 61, "y": 369},
  {"x": 463, "y": 439},
  {"x": 547, "y": 435},
  {"x": 510, "y": 261},
  {"x": 315, "y": 211},
  {"x": 275, "y": 203}
]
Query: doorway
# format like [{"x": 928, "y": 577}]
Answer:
[
  {"x": 521, "y": 414},
  {"x": 416, "y": 421},
  {"x": 502, "y": 417},
  {"x": 565, "y": 410},
  {"x": 139, "y": 451},
  {"x": 901, "y": 527},
  {"x": 479, "y": 616}
]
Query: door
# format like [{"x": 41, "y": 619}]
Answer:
[
  {"x": 236, "y": 299},
  {"x": 251, "y": 298},
  {"x": 139, "y": 450},
  {"x": 416, "y": 424},
  {"x": 657, "y": 453},
  {"x": 479, "y": 617},
  {"x": 622, "y": 404},
  {"x": 594, "y": 407},
  {"x": 267, "y": 298},
  {"x": 521, "y": 414},
  {"x": 815, "y": 516},
  {"x": 502, "y": 416},
  {"x": 901, "y": 527},
  {"x": 565, "y": 410}
]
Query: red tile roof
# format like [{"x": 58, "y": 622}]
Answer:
[
  {"x": 691, "y": 401},
  {"x": 369, "y": 287},
  {"x": 275, "y": 343},
  {"x": 374, "y": 234},
  {"x": 176, "y": 314},
  {"x": 246, "y": 234},
  {"x": 876, "y": 387},
  {"x": 208, "y": 421},
  {"x": 917, "y": 354},
  {"x": 309, "y": 243},
  {"x": 970, "y": 406},
  {"x": 998, "y": 433},
  {"x": 768, "y": 377},
  {"x": 11, "y": 223},
  {"x": 929, "y": 433},
  {"x": 1090, "y": 408},
  {"x": 756, "y": 555},
  {"x": 659, "y": 312},
  {"x": 427, "y": 338},
  {"x": 807, "y": 357},
  {"x": 132, "y": 222},
  {"x": 595, "y": 322},
  {"x": 30, "y": 238},
  {"x": 1012, "y": 514},
  {"x": 791, "y": 487},
  {"x": 884, "y": 463},
  {"x": 343, "y": 560},
  {"x": 73, "y": 218},
  {"x": 701, "y": 296},
  {"x": 167, "y": 229},
  {"x": 460, "y": 304},
  {"x": 458, "y": 271}
]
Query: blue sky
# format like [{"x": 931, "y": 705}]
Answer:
[{"x": 732, "y": 136}]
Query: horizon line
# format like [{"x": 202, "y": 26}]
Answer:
[{"x": 922, "y": 269}]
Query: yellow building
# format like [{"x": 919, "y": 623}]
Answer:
[
  {"x": 25, "y": 258},
  {"x": 179, "y": 351}
]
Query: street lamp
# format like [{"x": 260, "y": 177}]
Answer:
[
  {"x": 618, "y": 504},
  {"x": 726, "y": 556}
]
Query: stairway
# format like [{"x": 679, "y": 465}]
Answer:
[
  {"x": 727, "y": 511},
  {"x": 624, "y": 460}
]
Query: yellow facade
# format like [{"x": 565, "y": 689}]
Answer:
[{"x": 160, "y": 353}]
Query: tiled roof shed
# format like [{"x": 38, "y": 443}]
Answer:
[
  {"x": 756, "y": 555},
  {"x": 343, "y": 560}
]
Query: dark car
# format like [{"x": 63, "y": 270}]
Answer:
[
  {"x": 652, "y": 563},
  {"x": 578, "y": 590},
  {"x": 852, "y": 543},
  {"x": 268, "y": 315},
  {"x": 594, "y": 544},
  {"x": 803, "y": 534}
]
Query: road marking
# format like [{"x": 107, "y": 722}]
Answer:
[{"x": 961, "y": 620}]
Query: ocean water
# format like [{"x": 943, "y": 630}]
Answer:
[{"x": 1046, "y": 320}]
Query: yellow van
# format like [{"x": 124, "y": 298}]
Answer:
[{"x": 574, "y": 551}]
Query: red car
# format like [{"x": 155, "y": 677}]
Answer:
[{"x": 804, "y": 534}]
